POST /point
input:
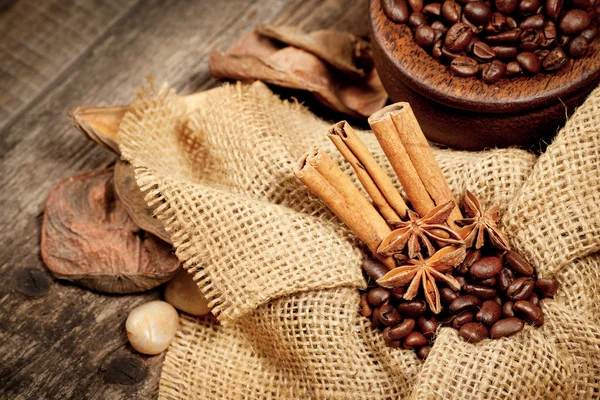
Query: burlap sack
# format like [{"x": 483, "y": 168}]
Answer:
[{"x": 283, "y": 274}]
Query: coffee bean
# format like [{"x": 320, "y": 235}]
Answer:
[
  {"x": 489, "y": 313},
  {"x": 541, "y": 54},
  {"x": 486, "y": 267},
  {"x": 530, "y": 311},
  {"x": 424, "y": 36},
  {"x": 486, "y": 282},
  {"x": 574, "y": 21},
  {"x": 506, "y": 327},
  {"x": 518, "y": 264},
  {"x": 473, "y": 332},
  {"x": 477, "y": 12},
  {"x": 396, "y": 10},
  {"x": 427, "y": 326},
  {"x": 448, "y": 295},
  {"x": 584, "y": 4},
  {"x": 416, "y": 5},
  {"x": 511, "y": 36},
  {"x": 389, "y": 341},
  {"x": 464, "y": 66},
  {"x": 402, "y": 330},
  {"x": 377, "y": 296},
  {"x": 412, "y": 309},
  {"x": 461, "y": 280},
  {"x": 451, "y": 11},
  {"x": 553, "y": 8},
  {"x": 423, "y": 352},
  {"x": 415, "y": 339},
  {"x": 436, "y": 51},
  {"x": 375, "y": 269},
  {"x": 389, "y": 316},
  {"x": 506, "y": 6},
  {"x": 534, "y": 298},
  {"x": 438, "y": 35},
  {"x": 375, "y": 322},
  {"x": 578, "y": 47},
  {"x": 505, "y": 52},
  {"x": 506, "y": 277},
  {"x": 458, "y": 37},
  {"x": 499, "y": 300},
  {"x": 546, "y": 287},
  {"x": 520, "y": 288},
  {"x": 473, "y": 255},
  {"x": 527, "y": 7},
  {"x": 461, "y": 319},
  {"x": 533, "y": 22},
  {"x": 508, "y": 310},
  {"x": 433, "y": 9},
  {"x": 416, "y": 19},
  {"x": 555, "y": 60},
  {"x": 511, "y": 23},
  {"x": 530, "y": 40},
  {"x": 398, "y": 293},
  {"x": 475, "y": 29},
  {"x": 590, "y": 32},
  {"x": 439, "y": 26},
  {"x": 497, "y": 23},
  {"x": 483, "y": 52},
  {"x": 482, "y": 292},
  {"x": 463, "y": 303},
  {"x": 365, "y": 309},
  {"x": 529, "y": 62}
]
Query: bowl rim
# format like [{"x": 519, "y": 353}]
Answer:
[{"x": 432, "y": 79}]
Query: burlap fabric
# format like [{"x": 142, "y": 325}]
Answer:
[{"x": 283, "y": 274}]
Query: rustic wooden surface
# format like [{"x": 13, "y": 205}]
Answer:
[{"x": 59, "y": 341}]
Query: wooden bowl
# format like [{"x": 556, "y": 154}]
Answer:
[{"x": 466, "y": 113}]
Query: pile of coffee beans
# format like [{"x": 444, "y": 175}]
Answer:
[
  {"x": 500, "y": 38},
  {"x": 500, "y": 293}
]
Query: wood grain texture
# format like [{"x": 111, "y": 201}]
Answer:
[{"x": 58, "y": 341}]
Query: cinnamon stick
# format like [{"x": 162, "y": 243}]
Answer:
[
  {"x": 324, "y": 178},
  {"x": 373, "y": 178},
  {"x": 401, "y": 123}
]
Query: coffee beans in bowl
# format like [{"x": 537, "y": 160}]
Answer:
[{"x": 496, "y": 39}]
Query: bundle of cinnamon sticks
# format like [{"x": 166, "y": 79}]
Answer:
[{"x": 401, "y": 138}]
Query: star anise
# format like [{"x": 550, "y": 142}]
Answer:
[
  {"x": 417, "y": 231},
  {"x": 480, "y": 222},
  {"x": 425, "y": 272}
]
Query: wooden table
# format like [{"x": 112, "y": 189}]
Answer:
[{"x": 59, "y": 341}]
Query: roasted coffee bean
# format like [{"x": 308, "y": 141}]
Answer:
[
  {"x": 534, "y": 298},
  {"x": 505, "y": 52},
  {"x": 473, "y": 255},
  {"x": 489, "y": 313},
  {"x": 389, "y": 340},
  {"x": 462, "y": 281},
  {"x": 451, "y": 11},
  {"x": 506, "y": 6},
  {"x": 541, "y": 54},
  {"x": 574, "y": 21},
  {"x": 492, "y": 72},
  {"x": 412, "y": 309},
  {"x": 548, "y": 35},
  {"x": 458, "y": 37},
  {"x": 464, "y": 66},
  {"x": 508, "y": 309},
  {"x": 433, "y": 9},
  {"x": 529, "y": 62},
  {"x": 464, "y": 303},
  {"x": 423, "y": 351},
  {"x": 389, "y": 316},
  {"x": 396, "y": 10},
  {"x": 507, "y": 37},
  {"x": 477, "y": 12},
  {"x": 584, "y": 4},
  {"x": 474, "y": 28},
  {"x": 506, "y": 277},
  {"x": 482, "y": 292},
  {"x": 486, "y": 282},
  {"x": 377, "y": 296},
  {"x": 518, "y": 264},
  {"x": 546, "y": 287},
  {"x": 553, "y": 8},
  {"x": 473, "y": 332},
  {"x": 436, "y": 51},
  {"x": 530, "y": 40},
  {"x": 497, "y": 23},
  {"x": 578, "y": 47},
  {"x": 461, "y": 319},
  {"x": 527, "y": 7},
  {"x": 375, "y": 269},
  {"x": 506, "y": 327},
  {"x": 416, "y": 19},
  {"x": 446, "y": 320},
  {"x": 563, "y": 40},
  {"x": 398, "y": 293},
  {"x": 590, "y": 33},
  {"x": 427, "y": 326},
  {"x": 520, "y": 288},
  {"x": 402, "y": 330},
  {"x": 415, "y": 339},
  {"x": 424, "y": 36},
  {"x": 416, "y": 5},
  {"x": 438, "y": 35},
  {"x": 448, "y": 295},
  {"x": 530, "y": 312},
  {"x": 555, "y": 60},
  {"x": 486, "y": 267},
  {"x": 482, "y": 52},
  {"x": 439, "y": 26},
  {"x": 365, "y": 309},
  {"x": 511, "y": 23},
  {"x": 375, "y": 322},
  {"x": 499, "y": 300},
  {"x": 533, "y": 22}
]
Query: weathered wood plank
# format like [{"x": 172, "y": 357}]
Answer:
[{"x": 57, "y": 340}]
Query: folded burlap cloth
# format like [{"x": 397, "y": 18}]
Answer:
[{"x": 283, "y": 273}]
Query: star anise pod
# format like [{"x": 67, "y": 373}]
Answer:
[
  {"x": 425, "y": 272},
  {"x": 419, "y": 231},
  {"x": 480, "y": 222}
]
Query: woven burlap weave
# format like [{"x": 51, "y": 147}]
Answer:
[{"x": 283, "y": 274}]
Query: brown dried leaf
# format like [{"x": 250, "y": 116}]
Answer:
[{"x": 88, "y": 238}]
